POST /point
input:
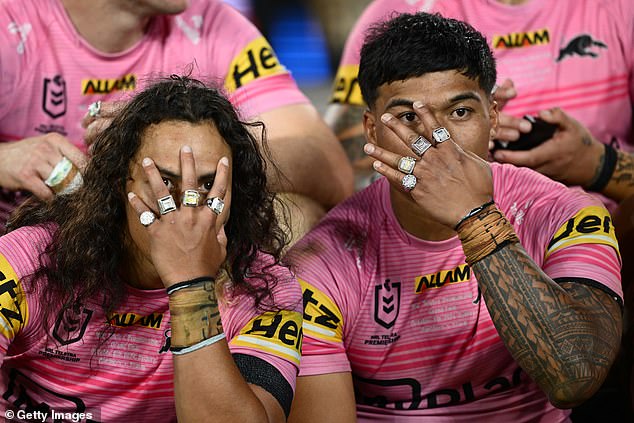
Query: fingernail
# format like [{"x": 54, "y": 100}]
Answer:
[
  {"x": 368, "y": 148},
  {"x": 418, "y": 104},
  {"x": 525, "y": 126},
  {"x": 187, "y": 149},
  {"x": 546, "y": 113},
  {"x": 385, "y": 117},
  {"x": 147, "y": 161},
  {"x": 376, "y": 165},
  {"x": 224, "y": 161},
  {"x": 131, "y": 195}
]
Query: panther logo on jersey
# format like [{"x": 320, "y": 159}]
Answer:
[{"x": 387, "y": 301}]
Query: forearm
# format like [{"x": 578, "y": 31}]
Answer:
[
  {"x": 565, "y": 336},
  {"x": 566, "y": 345},
  {"x": 207, "y": 381},
  {"x": 621, "y": 183},
  {"x": 305, "y": 150}
]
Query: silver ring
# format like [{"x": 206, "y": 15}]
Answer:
[
  {"x": 166, "y": 204},
  {"x": 409, "y": 182},
  {"x": 147, "y": 218},
  {"x": 420, "y": 145},
  {"x": 59, "y": 172},
  {"x": 440, "y": 134},
  {"x": 94, "y": 109},
  {"x": 191, "y": 198},
  {"x": 406, "y": 164},
  {"x": 216, "y": 205}
]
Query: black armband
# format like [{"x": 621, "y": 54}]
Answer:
[{"x": 607, "y": 170}]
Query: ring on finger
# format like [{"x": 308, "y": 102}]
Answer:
[
  {"x": 147, "y": 218},
  {"x": 166, "y": 204},
  {"x": 420, "y": 145},
  {"x": 440, "y": 134},
  {"x": 191, "y": 198},
  {"x": 409, "y": 182},
  {"x": 94, "y": 109},
  {"x": 216, "y": 205},
  {"x": 406, "y": 164}
]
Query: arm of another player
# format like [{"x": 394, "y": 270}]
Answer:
[{"x": 324, "y": 398}]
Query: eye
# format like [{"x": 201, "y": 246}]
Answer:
[
  {"x": 461, "y": 113},
  {"x": 408, "y": 117},
  {"x": 168, "y": 183},
  {"x": 206, "y": 186}
]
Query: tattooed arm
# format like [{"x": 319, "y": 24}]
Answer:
[
  {"x": 346, "y": 121},
  {"x": 621, "y": 185},
  {"x": 565, "y": 335}
]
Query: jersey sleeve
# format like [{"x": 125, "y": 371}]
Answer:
[
  {"x": 266, "y": 341},
  {"x": 255, "y": 80},
  {"x": 328, "y": 265}
]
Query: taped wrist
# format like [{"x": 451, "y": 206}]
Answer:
[
  {"x": 484, "y": 233},
  {"x": 194, "y": 315}
]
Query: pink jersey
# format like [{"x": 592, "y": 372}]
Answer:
[
  {"x": 403, "y": 315},
  {"x": 573, "y": 54},
  {"x": 49, "y": 74},
  {"x": 127, "y": 376}
]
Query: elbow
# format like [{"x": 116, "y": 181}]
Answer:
[{"x": 574, "y": 393}]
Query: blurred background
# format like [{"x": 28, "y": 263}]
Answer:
[{"x": 307, "y": 35}]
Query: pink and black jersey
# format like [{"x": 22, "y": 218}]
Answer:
[
  {"x": 118, "y": 367},
  {"x": 404, "y": 315},
  {"x": 49, "y": 74},
  {"x": 577, "y": 55}
]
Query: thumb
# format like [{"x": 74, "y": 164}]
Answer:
[{"x": 555, "y": 115}]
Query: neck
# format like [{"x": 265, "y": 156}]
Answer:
[
  {"x": 513, "y": 2},
  {"x": 414, "y": 222},
  {"x": 110, "y": 26}
]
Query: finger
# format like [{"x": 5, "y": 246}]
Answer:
[
  {"x": 511, "y": 127},
  {"x": 73, "y": 154},
  {"x": 429, "y": 121},
  {"x": 407, "y": 135},
  {"x": 154, "y": 178},
  {"x": 504, "y": 92},
  {"x": 556, "y": 116},
  {"x": 108, "y": 110},
  {"x": 188, "y": 168},
  {"x": 533, "y": 158},
  {"x": 219, "y": 189},
  {"x": 393, "y": 176},
  {"x": 94, "y": 129},
  {"x": 385, "y": 156},
  {"x": 38, "y": 188},
  {"x": 140, "y": 207},
  {"x": 222, "y": 239}
]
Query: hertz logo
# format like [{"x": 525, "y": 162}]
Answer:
[
  {"x": 346, "y": 88},
  {"x": 277, "y": 333},
  {"x": 255, "y": 61},
  {"x": 13, "y": 307},
  {"x": 107, "y": 86},
  {"x": 322, "y": 318},
  {"x": 521, "y": 39},
  {"x": 591, "y": 225},
  {"x": 439, "y": 279},
  {"x": 131, "y": 319}
]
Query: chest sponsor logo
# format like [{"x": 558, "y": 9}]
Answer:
[
  {"x": 415, "y": 399},
  {"x": 277, "y": 333},
  {"x": 22, "y": 31},
  {"x": 521, "y": 39},
  {"x": 581, "y": 46},
  {"x": 591, "y": 225},
  {"x": 123, "y": 320},
  {"x": 107, "y": 86},
  {"x": 255, "y": 61},
  {"x": 387, "y": 302},
  {"x": 71, "y": 324},
  {"x": 346, "y": 88},
  {"x": 322, "y": 318},
  {"x": 441, "y": 278},
  {"x": 54, "y": 96},
  {"x": 35, "y": 402},
  {"x": 13, "y": 308}
]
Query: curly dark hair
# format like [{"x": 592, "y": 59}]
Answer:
[
  {"x": 411, "y": 45},
  {"x": 88, "y": 245}
]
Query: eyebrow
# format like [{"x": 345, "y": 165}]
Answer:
[
  {"x": 173, "y": 175},
  {"x": 469, "y": 95}
]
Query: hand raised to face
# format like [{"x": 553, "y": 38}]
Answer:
[{"x": 446, "y": 182}]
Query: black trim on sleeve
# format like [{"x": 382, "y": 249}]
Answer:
[
  {"x": 594, "y": 284},
  {"x": 258, "y": 372}
]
